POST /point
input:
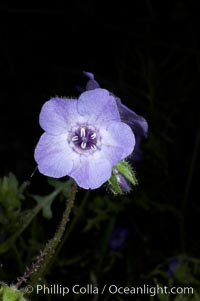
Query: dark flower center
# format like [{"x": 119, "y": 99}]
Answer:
[{"x": 84, "y": 138}]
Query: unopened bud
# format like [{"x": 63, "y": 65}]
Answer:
[{"x": 122, "y": 178}]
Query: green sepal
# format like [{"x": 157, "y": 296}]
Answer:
[
  {"x": 127, "y": 171},
  {"x": 124, "y": 170},
  {"x": 113, "y": 184}
]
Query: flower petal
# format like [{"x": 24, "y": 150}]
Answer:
[
  {"x": 138, "y": 124},
  {"x": 92, "y": 83},
  {"x": 118, "y": 142},
  {"x": 54, "y": 156},
  {"x": 91, "y": 173},
  {"x": 99, "y": 106},
  {"x": 58, "y": 115}
]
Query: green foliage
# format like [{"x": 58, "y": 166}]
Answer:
[
  {"x": 60, "y": 187},
  {"x": 10, "y": 293},
  {"x": 102, "y": 209},
  {"x": 65, "y": 187},
  {"x": 185, "y": 275},
  {"x": 11, "y": 197},
  {"x": 20, "y": 219}
]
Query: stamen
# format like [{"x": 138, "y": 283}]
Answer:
[
  {"x": 93, "y": 136},
  {"x": 84, "y": 139},
  {"x": 82, "y": 132},
  {"x": 83, "y": 145},
  {"x": 75, "y": 138}
]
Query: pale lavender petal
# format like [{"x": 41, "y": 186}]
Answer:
[
  {"x": 118, "y": 142},
  {"x": 137, "y": 154},
  {"x": 138, "y": 124},
  {"x": 79, "y": 89},
  {"x": 99, "y": 106},
  {"x": 58, "y": 115},
  {"x": 123, "y": 183},
  {"x": 89, "y": 75},
  {"x": 54, "y": 156},
  {"x": 92, "y": 83},
  {"x": 91, "y": 174}
]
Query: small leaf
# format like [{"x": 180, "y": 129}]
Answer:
[
  {"x": 46, "y": 210},
  {"x": 64, "y": 187}
]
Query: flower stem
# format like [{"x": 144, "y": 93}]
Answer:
[
  {"x": 73, "y": 224},
  {"x": 39, "y": 268},
  {"x": 71, "y": 227}
]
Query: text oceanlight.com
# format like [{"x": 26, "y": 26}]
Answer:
[{"x": 90, "y": 289}]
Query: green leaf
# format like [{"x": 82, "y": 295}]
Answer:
[
  {"x": 64, "y": 187},
  {"x": 102, "y": 210},
  {"x": 43, "y": 202},
  {"x": 26, "y": 217},
  {"x": 46, "y": 210}
]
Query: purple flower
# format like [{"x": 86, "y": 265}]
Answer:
[
  {"x": 137, "y": 123},
  {"x": 123, "y": 183},
  {"x": 118, "y": 238},
  {"x": 92, "y": 83},
  {"x": 84, "y": 138},
  {"x": 173, "y": 265}
]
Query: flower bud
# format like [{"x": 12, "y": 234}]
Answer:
[{"x": 122, "y": 178}]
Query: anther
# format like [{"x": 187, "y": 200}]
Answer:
[
  {"x": 93, "y": 136},
  {"x": 75, "y": 138},
  {"x": 84, "y": 138},
  {"x": 82, "y": 132},
  {"x": 83, "y": 145}
]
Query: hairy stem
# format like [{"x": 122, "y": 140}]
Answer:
[
  {"x": 73, "y": 224},
  {"x": 71, "y": 227},
  {"x": 40, "y": 266}
]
